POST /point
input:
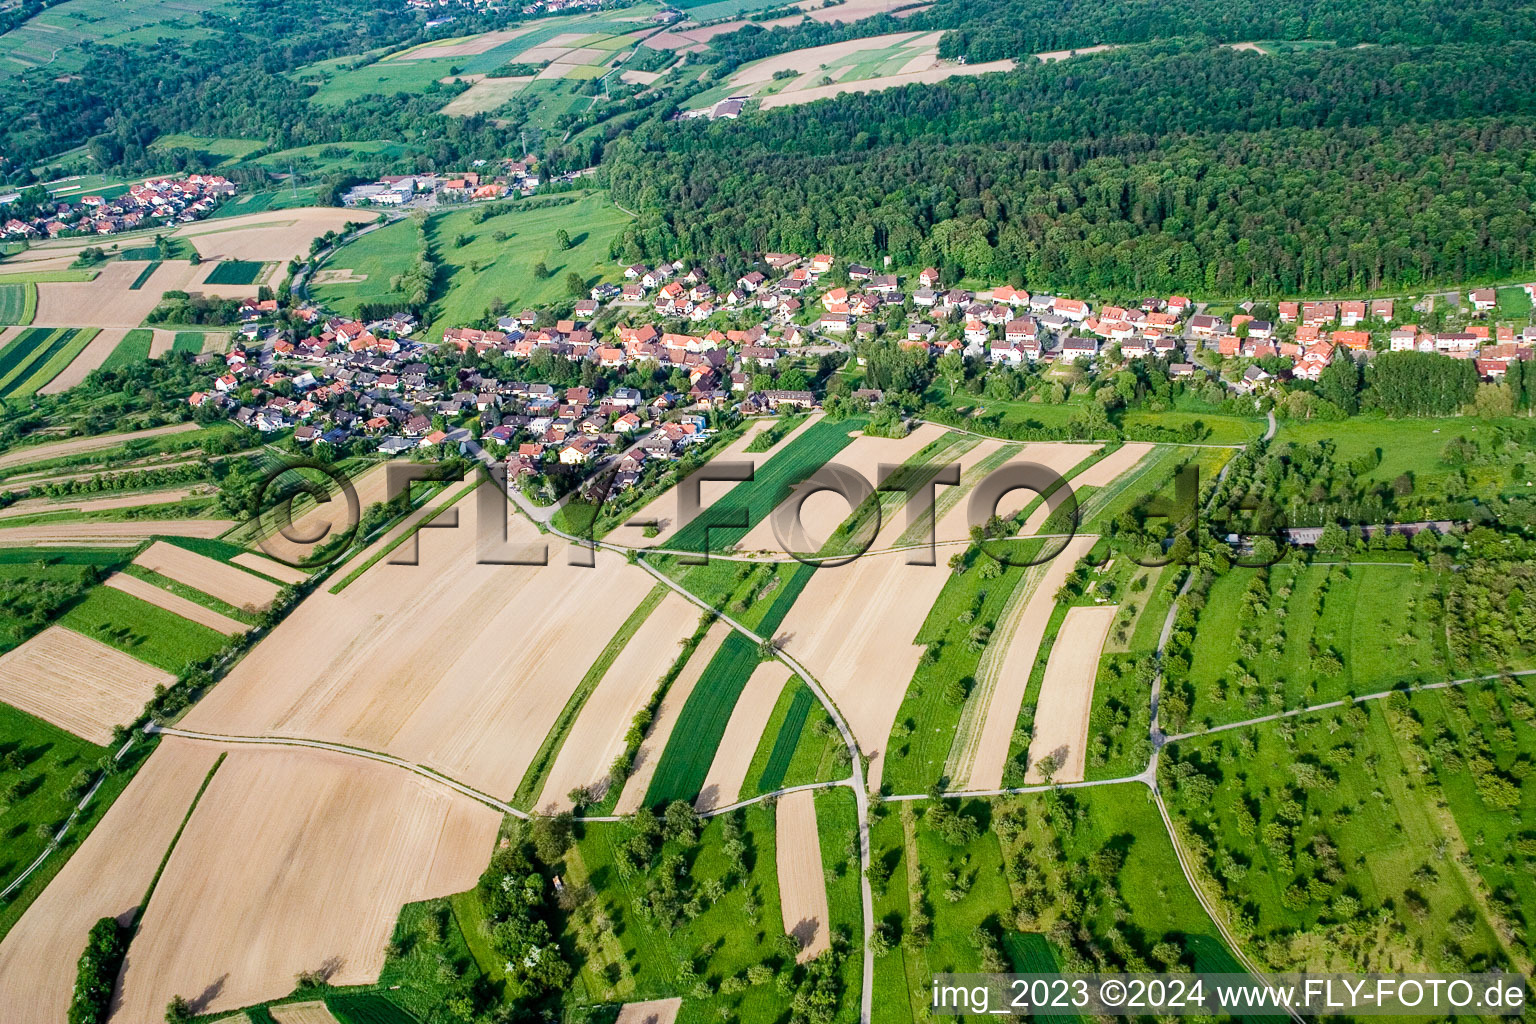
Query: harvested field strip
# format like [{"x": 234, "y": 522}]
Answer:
[
  {"x": 788, "y": 738},
  {"x": 281, "y": 826},
  {"x": 192, "y": 594},
  {"x": 686, "y": 761},
  {"x": 532, "y": 786},
  {"x": 802, "y": 883},
  {"x": 676, "y": 698},
  {"x": 602, "y": 729},
  {"x": 733, "y": 755},
  {"x": 190, "y": 610},
  {"x": 111, "y": 531},
  {"x": 983, "y": 758},
  {"x": 106, "y": 877},
  {"x": 95, "y": 352},
  {"x": 79, "y": 684},
  {"x": 271, "y": 569},
  {"x": 18, "y": 302},
  {"x": 991, "y": 455},
  {"x": 226, "y": 582},
  {"x": 423, "y": 514},
  {"x": 751, "y": 502},
  {"x": 61, "y": 449},
  {"x": 1066, "y": 694},
  {"x": 134, "y": 348},
  {"x": 144, "y": 275}
]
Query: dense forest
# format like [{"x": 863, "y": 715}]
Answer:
[
  {"x": 1176, "y": 167},
  {"x": 985, "y": 30}
]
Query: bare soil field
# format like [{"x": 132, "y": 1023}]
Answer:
[
  {"x": 853, "y": 10},
  {"x": 949, "y": 525},
  {"x": 655, "y": 740},
  {"x": 265, "y": 237},
  {"x": 854, "y": 628},
  {"x": 90, "y": 357},
  {"x": 802, "y": 879},
  {"x": 663, "y": 507},
  {"x": 981, "y": 765},
  {"x": 296, "y": 860},
  {"x": 79, "y": 684},
  {"x": 465, "y": 46},
  {"x": 191, "y": 610},
  {"x": 822, "y": 513},
  {"x": 1056, "y": 456},
  {"x": 314, "y": 1012},
  {"x": 808, "y": 59},
  {"x": 371, "y": 487},
  {"x": 733, "y": 757},
  {"x": 597, "y": 737},
  {"x": 108, "y": 301},
  {"x": 1107, "y": 469},
  {"x": 653, "y": 1011},
  {"x": 217, "y": 579},
  {"x": 35, "y": 506},
  {"x": 106, "y": 877},
  {"x": 61, "y": 449},
  {"x": 267, "y": 567},
  {"x": 1066, "y": 693},
  {"x": 108, "y": 531},
  {"x": 639, "y": 78},
  {"x": 448, "y": 663},
  {"x": 161, "y": 342}
]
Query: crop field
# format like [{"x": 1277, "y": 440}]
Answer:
[
  {"x": 1066, "y": 694},
  {"x": 667, "y": 715},
  {"x": 820, "y": 515},
  {"x": 78, "y": 683},
  {"x": 1357, "y": 833},
  {"x": 55, "y": 36},
  {"x": 149, "y": 633},
  {"x": 290, "y": 198},
  {"x": 924, "y": 731},
  {"x": 18, "y": 302},
  {"x": 624, "y": 684},
  {"x": 235, "y": 272},
  {"x": 743, "y": 732},
  {"x": 133, "y": 348},
  {"x": 799, "y": 745},
  {"x": 484, "y": 269},
  {"x": 1347, "y": 629},
  {"x": 685, "y": 763},
  {"x": 189, "y": 341},
  {"x": 375, "y": 676},
  {"x": 37, "y": 355},
  {"x": 228, "y": 583},
  {"x": 106, "y": 877},
  {"x": 799, "y": 456},
  {"x": 234, "y": 913}
]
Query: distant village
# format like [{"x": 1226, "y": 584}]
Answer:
[
  {"x": 159, "y": 201},
  {"x": 516, "y": 178},
  {"x": 347, "y": 380}
]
